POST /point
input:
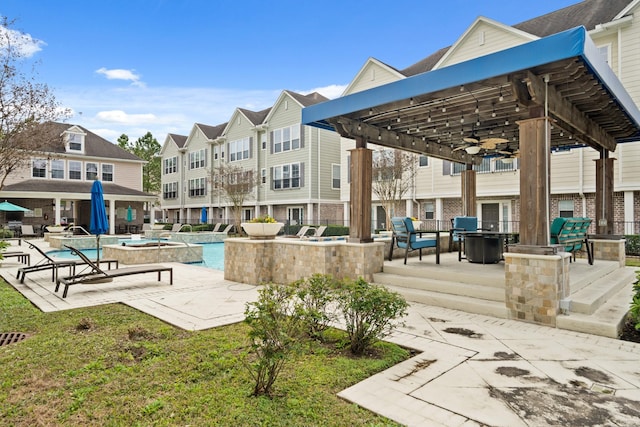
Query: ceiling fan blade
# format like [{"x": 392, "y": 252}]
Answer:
[
  {"x": 460, "y": 148},
  {"x": 491, "y": 143},
  {"x": 470, "y": 140}
]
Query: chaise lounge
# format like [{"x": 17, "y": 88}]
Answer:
[
  {"x": 48, "y": 263},
  {"x": 98, "y": 275}
]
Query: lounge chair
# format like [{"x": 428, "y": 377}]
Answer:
[
  {"x": 28, "y": 231},
  {"x": 408, "y": 239},
  {"x": 174, "y": 229},
  {"x": 23, "y": 257},
  {"x": 303, "y": 231},
  {"x": 98, "y": 275},
  {"x": 217, "y": 227},
  {"x": 48, "y": 263},
  {"x": 317, "y": 232},
  {"x": 227, "y": 229}
]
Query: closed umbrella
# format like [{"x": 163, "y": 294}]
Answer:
[
  {"x": 99, "y": 223},
  {"x": 129, "y": 218},
  {"x": 203, "y": 215}
]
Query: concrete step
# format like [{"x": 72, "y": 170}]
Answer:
[
  {"x": 606, "y": 321},
  {"x": 490, "y": 275},
  {"x": 491, "y": 293},
  {"x": 592, "y": 274},
  {"x": 590, "y": 298},
  {"x": 454, "y": 302}
]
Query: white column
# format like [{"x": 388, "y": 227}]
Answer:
[
  {"x": 345, "y": 213},
  {"x": 439, "y": 207},
  {"x": 628, "y": 213},
  {"x": 57, "y": 211},
  {"x": 310, "y": 217},
  {"x": 112, "y": 217}
]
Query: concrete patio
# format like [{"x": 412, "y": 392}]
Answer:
[{"x": 469, "y": 369}]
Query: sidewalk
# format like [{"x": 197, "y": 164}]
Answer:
[{"x": 471, "y": 370}]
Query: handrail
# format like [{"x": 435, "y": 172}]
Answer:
[{"x": 78, "y": 227}]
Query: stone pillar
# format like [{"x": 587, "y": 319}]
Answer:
[
  {"x": 360, "y": 193},
  {"x": 604, "y": 194},
  {"x": 468, "y": 182},
  {"x": 610, "y": 250},
  {"x": 535, "y": 135},
  {"x": 535, "y": 285}
]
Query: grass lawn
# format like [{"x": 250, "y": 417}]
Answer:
[{"x": 115, "y": 366}]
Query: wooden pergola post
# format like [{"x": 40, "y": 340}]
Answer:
[
  {"x": 604, "y": 194},
  {"x": 360, "y": 192},
  {"x": 468, "y": 182},
  {"x": 535, "y": 153}
]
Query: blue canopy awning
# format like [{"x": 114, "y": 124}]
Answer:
[{"x": 487, "y": 95}]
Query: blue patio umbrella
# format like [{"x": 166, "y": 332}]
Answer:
[
  {"x": 99, "y": 223},
  {"x": 203, "y": 215}
]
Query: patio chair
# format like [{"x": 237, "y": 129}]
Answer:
[
  {"x": 217, "y": 227},
  {"x": 48, "y": 263},
  {"x": 28, "y": 231},
  {"x": 319, "y": 231},
  {"x": 303, "y": 231},
  {"x": 461, "y": 223},
  {"x": 97, "y": 275},
  {"x": 405, "y": 236}
]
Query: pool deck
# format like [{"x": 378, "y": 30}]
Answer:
[{"x": 469, "y": 370}]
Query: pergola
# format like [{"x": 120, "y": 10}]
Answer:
[{"x": 553, "y": 93}]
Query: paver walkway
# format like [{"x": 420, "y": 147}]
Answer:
[{"x": 469, "y": 370}]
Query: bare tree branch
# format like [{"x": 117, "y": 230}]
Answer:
[{"x": 236, "y": 185}]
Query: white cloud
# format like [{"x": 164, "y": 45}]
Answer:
[
  {"x": 120, "y": 117},
  {"x": 331, "y": 91},
  {"x": 26, "y": 45},
  {"x": 121, "y": 74}
]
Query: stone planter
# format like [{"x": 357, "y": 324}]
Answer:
[
  {"x": 417, "y": 225},
  {"x": 262, "y": 230}
]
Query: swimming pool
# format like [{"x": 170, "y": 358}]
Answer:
[{"x": 212, "y": 254}]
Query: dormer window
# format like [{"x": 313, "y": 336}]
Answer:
[{"x": 75, "y": 143}]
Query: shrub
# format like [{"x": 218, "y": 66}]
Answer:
[
  {"x": 370, "y": 312},
  {"x": 315, "y": 295},
  {"x": 634, "y": 310},
  {"x": 275, "y": 329},
  {"x": 632, "y": 244}
]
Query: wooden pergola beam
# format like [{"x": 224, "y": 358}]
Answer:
[{"x": 587, "y": 130}]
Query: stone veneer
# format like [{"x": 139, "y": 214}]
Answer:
[
  {"x": 199, "y": 237},
  {"x": 80, "y": 242},
  {"x": 169, "y": 252},
  {"x": 609, "y": 250},
  {"x": 534, "y": 286},
  {"x": 288, "y": 260}
]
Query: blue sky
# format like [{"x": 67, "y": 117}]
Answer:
[{"x": 132, "y": 66}]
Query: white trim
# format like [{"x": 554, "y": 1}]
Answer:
[{"x": 370, "y": 62}]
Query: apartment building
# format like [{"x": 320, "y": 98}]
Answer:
[
  {"x": 56, "y": 183},
  {"x": 299, "y": 166}
]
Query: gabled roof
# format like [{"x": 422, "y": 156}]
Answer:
[
  {"x": 212, "y": 132},
  {"x": 255, "y": 117},
  {"x": 587, "y": 13},
  {"x": 371, "y": 61},
  {"x": 309, "y": 99},
  {"x": 94, "y": 145},
  {"x": 179, "y": 140}
]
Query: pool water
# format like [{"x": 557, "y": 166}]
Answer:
[{"x": 212, "y": 254}]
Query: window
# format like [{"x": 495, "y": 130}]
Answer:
[
  {"x": 198, "y": 159},
  {"x": 75, "y": 142},
  {"x": 565, "y": 208},
  {"x": 286, "y": 139},
  {"x": 107, "y": 173},
  {"x": 605, "y": 53},
  {"x": 335, "y": 177},
  {"x": 423, "y": 161},
  {"x": 429, "y": 210},
  {"x": 75, "y": 170},
  {"x": 170, "y": 165},
  {"x": 263, "y": 176},
  {"x": 215, "y": 152},
  {"x": 57, "y": 169},
  {"x": 91, "y": 170},
  {"x": 263, "y": 141},
  {"x": 197, "y": 187},
  {"x": 39, "y": 168},
  {"x": 170, "y": 190},
  {"x": 286, "y": 176},
  {"x": 239, "y": 149}
]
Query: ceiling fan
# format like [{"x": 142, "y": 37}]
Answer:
[
  {"x": 487, "y": 143},
  {"x": 509, "y": 153}
]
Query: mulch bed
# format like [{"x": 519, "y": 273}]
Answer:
[{"x": 630, "y": 333}]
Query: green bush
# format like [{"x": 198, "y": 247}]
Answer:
[
  {"x": 6, "y": 233},
  {"x": 370, "y": 312},
  {"x": 634, "y": 310},
  {"x": 632, "y": 244},
  {"x": 274, "y": 334},
  {"x": 315, "y": 295}
]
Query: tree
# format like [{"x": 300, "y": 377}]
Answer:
[
  {"x": 148, "y": 149},
  {"x": 237, "y": 185},
  {"x": 393, "y": 174},
  {"x": 27, "y": 108}
]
